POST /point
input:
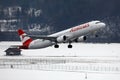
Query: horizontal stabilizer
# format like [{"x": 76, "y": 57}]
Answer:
[{"x": 15, "y": 46}]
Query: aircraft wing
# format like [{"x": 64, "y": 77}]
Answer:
[{"x": 43, "y": 37}]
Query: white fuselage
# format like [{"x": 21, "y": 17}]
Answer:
[{"x": 71, "y": 33}]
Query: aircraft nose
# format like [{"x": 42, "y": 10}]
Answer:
[{"x": 103, "y": 25}]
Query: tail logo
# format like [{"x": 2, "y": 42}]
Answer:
[{"x": 26, "y": 40}]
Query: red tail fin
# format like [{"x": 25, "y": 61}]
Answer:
[{"x": 26, "y": 40}]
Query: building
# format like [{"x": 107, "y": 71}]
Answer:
[{"x": 13, "y": 51}]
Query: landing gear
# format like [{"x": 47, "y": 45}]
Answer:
[
  {"x": 69, "y": 46},
  {"x": 56, "y": 46}
]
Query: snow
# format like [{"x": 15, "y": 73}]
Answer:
[
  {"x": 79, "y": 49},
  {"x": 16, "y": 74},
  {"x": 91, "y": 56}
]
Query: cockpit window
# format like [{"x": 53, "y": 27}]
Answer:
[{"x": 97, "y": 22}]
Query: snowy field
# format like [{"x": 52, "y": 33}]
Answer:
[
  {"x": 15, "y": 74},
  {"x": 85, "y": 61},
  {"x": 79, "y": 49}
]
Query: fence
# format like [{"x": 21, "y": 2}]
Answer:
[{"x": 61, "y": 64}]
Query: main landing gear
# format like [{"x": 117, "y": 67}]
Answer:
[
  {"x": 69, "y": 46},
  {"x": 57, "y": 46}
]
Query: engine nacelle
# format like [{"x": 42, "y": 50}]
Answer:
[
  {"x": 61, "y": 39},
  {"x": 80, "y": 39}
]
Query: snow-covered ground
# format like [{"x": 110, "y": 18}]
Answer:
[
  {"x": 15, "y": 74},
  {"x": 97, "y": 61},
  {"x": 79, "y": 49}
]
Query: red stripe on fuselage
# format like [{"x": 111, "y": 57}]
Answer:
[{"x": 27, "y": 43}]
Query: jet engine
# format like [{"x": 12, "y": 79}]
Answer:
[
  {"x": 80, "y": 39},
  {"x": 61, "y": 39}
]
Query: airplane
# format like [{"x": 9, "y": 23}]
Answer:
[{"x": 74, "y": 34}]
